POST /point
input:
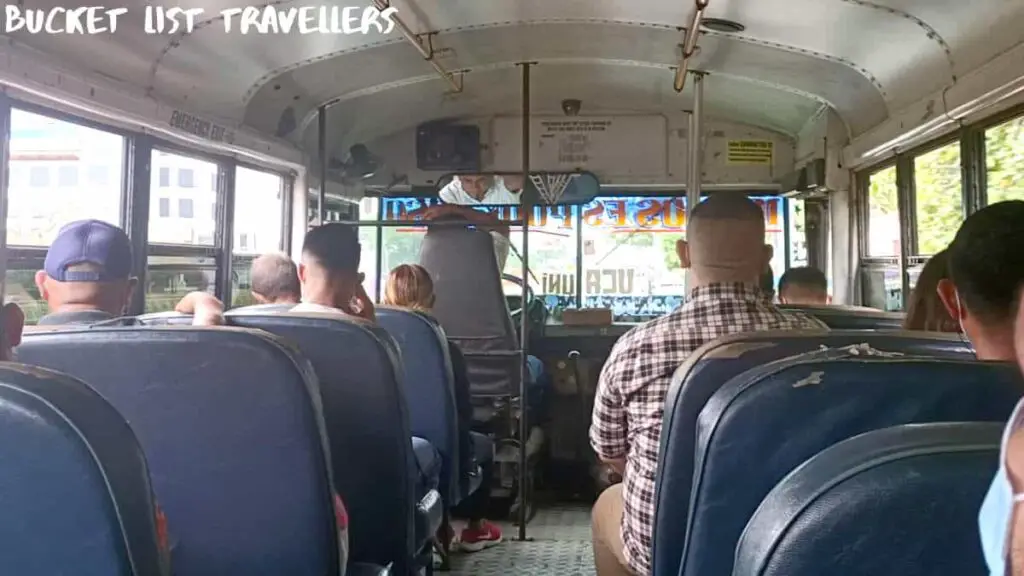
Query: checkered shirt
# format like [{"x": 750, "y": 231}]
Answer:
[{"x": 635, "y": 380}]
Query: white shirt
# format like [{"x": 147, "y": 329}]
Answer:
[
  {"x": 319, "y": 309},
  {"x": 496, "y": 194}
]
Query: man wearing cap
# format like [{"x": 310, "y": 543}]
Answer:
[{"x": 87, "y": 277}]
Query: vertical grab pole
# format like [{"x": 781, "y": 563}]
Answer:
[
  {"x": 696, "y": 156},
  {"x": 321, "y": 120},
  {"x": 524, "y": 321}
]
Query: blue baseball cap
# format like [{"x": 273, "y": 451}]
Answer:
[{"x": 89, "y": 242}]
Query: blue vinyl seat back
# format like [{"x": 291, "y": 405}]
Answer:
[
  {"x": 74, "y": 488},
  {"x": 787, "y": 411},
  {"x": 429, "y": 387},
  {"x": 706, "y": 371},
  {"x": 229, "y": 421},
  {"x": 360, "y": 371},
  {"x": 851, "y": 318},
  {"x": 899, "y": 501}
]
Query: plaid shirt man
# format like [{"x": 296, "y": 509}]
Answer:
[{"x": 634, "y": 381}]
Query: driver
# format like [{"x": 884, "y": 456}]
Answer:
[
  {"x": 470, "y": 189},
  {"x": 467, "y": 190}
]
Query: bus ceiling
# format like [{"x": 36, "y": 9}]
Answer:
[{"x": 888, "y": 73}]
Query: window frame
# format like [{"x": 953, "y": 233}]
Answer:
[{"x": 136, "y": 183}]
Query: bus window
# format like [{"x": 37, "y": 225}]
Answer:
[
  {"x": 797, "y": 234},
  {"x": 552, "y": 258},
  {"x": 369, "y": 209},
  {"x": 22, "y": 290},
  {"x": 257, "y": 225},
  {"x": 258, "y": 209},
  {"x": 169, "y": 278},
  {"x": 182, "y": 197},
  {"x": 59, "y": 172},
  {"x": 938, "y": 201},
  {"x": 883, "y": 214},
  {"x": 1004, "y": 162},
  {"x": 629, "y": 253}
]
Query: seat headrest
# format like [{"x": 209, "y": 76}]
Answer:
[
  {"x": 901, "y": 500},
  {"x": 470, "y": 301},
  {"x": 74, "y": 487},
  {"x": 227, "y": 418}
]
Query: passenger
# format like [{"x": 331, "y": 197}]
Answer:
[
  {"x": 409, "y": 286},
  {"x": 275, "y": 280},
  {"x": 87, "y": 277},
  {"x": 804, "y": 286},
  {"x": 983, "y": 294},
  {"x": 926, "y": 311},
  {"x": 768, "y": 284},
  {"x": 12, "y": 322},
  {"x": 986, "y": 266},
  {"x": 329, "y": 273},
  {"x": 726, "y": 255}
]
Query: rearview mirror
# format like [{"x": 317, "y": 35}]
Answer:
[{"x": 497, "y": 188}]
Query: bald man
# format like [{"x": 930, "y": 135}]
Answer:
[
  {"x": 275, "y": 280},
  {"x": 725, "y": 256}
]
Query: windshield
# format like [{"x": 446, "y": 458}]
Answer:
[{"x": 615, "y": 252}]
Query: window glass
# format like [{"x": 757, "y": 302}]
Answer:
[
  {"x": 629, "y": 253},
  {"x": 258, "y": 212},
  {"x": 1004, "y": 159},
  {"x": 883, "y": 214},
  {"x": 185, "y": 226},
  {"x": 52, "y": 152},
  {"x": 241, "y": 281},
  {"x": 99, "y": 175},
  {"x": 939, "y": 206},
  {"x": 369, "y": 210},
  {"x": 67, "y": 176},
  {"x": 21, "y": 289},
  {"x": 170, "y": 278},
  {"x": 883, "y": 288},
  {"x": 38, "y": 176},
  {"x": 187, "y": 178},
  {"x": 797, "y": 233},
  {"x": 185, "y": 207},
  {"x": 165, "y": 176}
]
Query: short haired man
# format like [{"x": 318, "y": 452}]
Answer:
[
  {"x": 982, "y": 294},
  {"x": 87, "y": 278},
  {"x": 87, "y": 275},
  {"x": 329, "y": 273},
  {"x": 986, "y": 266},
  {"x": 805, "y": 286},
  {"x": 725, "y": 254},
  {"x": 275, "y": 280}
]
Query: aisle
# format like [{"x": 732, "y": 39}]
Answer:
[{"x": 560, "y": 546}]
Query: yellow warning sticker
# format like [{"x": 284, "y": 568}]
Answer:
[{"x": 750, "y": 152}]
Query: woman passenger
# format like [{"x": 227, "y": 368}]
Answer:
[
  {"x": 925, "y": 310},
  {"x": 410, "y": 286}
]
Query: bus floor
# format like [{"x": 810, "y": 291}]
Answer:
[{"x": 558, "y": 543}]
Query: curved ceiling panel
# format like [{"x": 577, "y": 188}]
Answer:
[
  {"x": 385, "y": 67},
  {"x": 830, "y": 48},
  {"x": 497, "y": 91}
]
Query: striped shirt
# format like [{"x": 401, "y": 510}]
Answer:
[{"x": 635, "y": 380}]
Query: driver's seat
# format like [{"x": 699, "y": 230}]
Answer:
[{"x": 470, "y": 306}]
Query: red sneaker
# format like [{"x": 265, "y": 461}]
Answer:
[{"x": 476, "y": 540}]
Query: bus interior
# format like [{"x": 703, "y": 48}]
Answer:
[{"x": 866, "y": 131}]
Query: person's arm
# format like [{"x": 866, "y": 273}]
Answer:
[
  {"x": 205, "y": 309},
  {"x": 608, "y": 425},
  {"x": 483, "y": 220}
]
